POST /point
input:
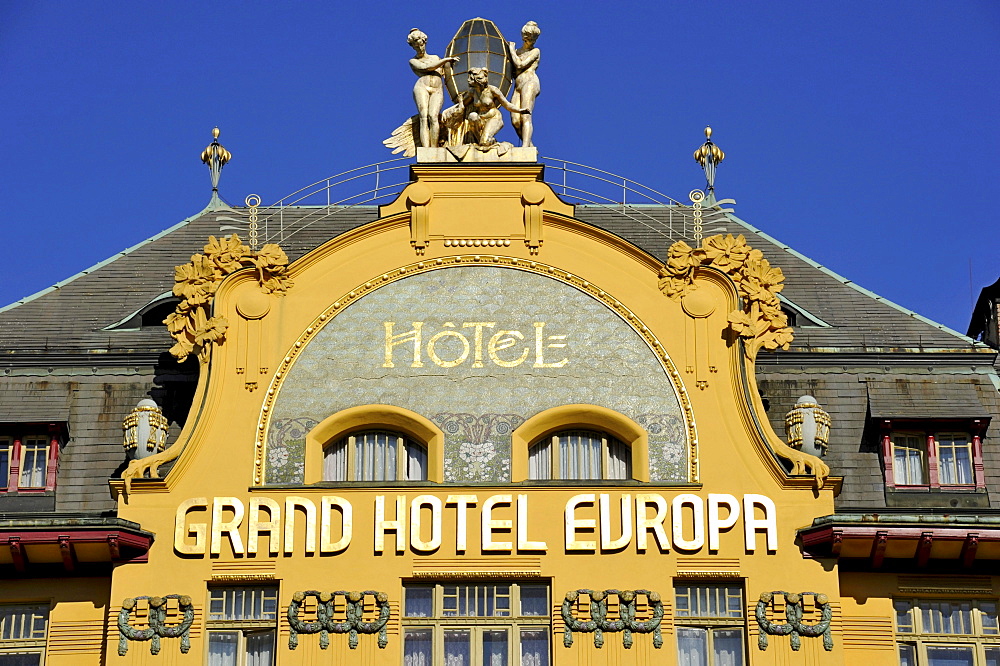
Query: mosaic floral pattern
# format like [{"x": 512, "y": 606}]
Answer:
[
  {"x": 665, "y": 460},
  {"x": 477, "y": 447},
  {"x": 286, "y": 451}
]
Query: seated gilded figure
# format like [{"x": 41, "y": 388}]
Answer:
[{"x": 476, "y": 117}]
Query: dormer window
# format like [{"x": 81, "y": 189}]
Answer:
[{"x": 933, "y": 456}]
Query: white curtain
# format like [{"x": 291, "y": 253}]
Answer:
[
  {"x": 417, "y": 647},
  {"x": 335, "y": 462},
  {"x": 692, "y": 647},
  {"x": 619, "y": 460},
  {"x": 540, "y": 460},
  {"x": 908, "y": 462},
  {"x": 580, "y": 455},
  {"x": 534, "y": 648},
  {"x": 260, "y": 649},
  {"x": 728, "y": 647},
  {"x": 222, "y": 648},
  {"x": 416, "y": 462},
  {"x": 33, "y": 472},
  {"x": 955, "y": 465},
  {"x": 375, "y": 456}
]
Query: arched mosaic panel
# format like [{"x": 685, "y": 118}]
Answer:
[{"x": 477, "y": 350}]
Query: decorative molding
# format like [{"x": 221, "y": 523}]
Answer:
[
  {"x": 389, "y": 277},
  {"x": 598, "y": 622}
]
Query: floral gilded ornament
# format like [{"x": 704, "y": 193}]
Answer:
[
  {"x": 759, "y": 321},
  {"x": 196, "y": 282}
]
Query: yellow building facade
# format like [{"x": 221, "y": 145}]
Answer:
[{"x": 479, "y": 430}]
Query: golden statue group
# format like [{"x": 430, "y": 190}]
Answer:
[{"x": 474, "y": 119}]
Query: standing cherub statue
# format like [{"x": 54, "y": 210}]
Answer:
[
  {"x": 428, "y": 91},
  {"x": 526, "y": 85}
]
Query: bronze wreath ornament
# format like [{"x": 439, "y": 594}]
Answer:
[
  {"x": 794, "y": 627},
  {"x": 599, "y": 623},
  {"x": 157, "y": 623},
  {"x": 325, "y": 623}
]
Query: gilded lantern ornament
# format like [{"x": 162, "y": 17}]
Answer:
[
  {"x": 807, "y": 426},
  {"x": 145, "y": 430}
]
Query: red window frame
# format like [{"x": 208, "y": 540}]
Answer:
[
  {"x": 930, "y": 430},
  {"x": 54, "y": 433}
]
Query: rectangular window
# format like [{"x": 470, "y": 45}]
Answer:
[
  {"x": 22, "y": 634},
  {"x": 947, "y": 633},
  {"x": 6, "y": 444},
  {"x": 711, "y": 625},
  {"x": 488, "y": 624},
  {"x": 34, "y": 459},
  {"x": 242, "y": 626},
  {"x": 954, "y": 452},
  {"x": 909, "y": 458}
]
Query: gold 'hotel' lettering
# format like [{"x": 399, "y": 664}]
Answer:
[
  {"x": 593, "y": 523},
  {"x": 500, "y": 340}
]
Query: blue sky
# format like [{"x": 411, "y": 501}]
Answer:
[{"x": 862, "y": 134}]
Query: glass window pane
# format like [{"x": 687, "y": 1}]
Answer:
[
  {"x": 457, "y": 647},
  {"x": 477, "y": 59},
  {"x": 21, "y": 659},
  {"x": 478, "y": 44},
  {"x": 907, "y": 655},
  {"x": 419, "y": 601},
  {"x": 904, "y": 616},
  {"x": 988, "y": 613},
  {"x": 417, "y": 647},
  {"x": 260, "y": 648},
  {"x": 34, "y": 453},
  {"x": 495, "y": 647},
  {"x": 993, "y": 655},
  {"x": 222, "y": 648},
  {"x": 949, "y": 655},
  {"x": 4, "y": 464},
  {"x": 727, "y": 646},
  {"x": 692, "y": 647},
  {"x": 534, "y": 647},
  {"x": 534, "y": 600}
]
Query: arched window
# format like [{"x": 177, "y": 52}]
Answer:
[
  {"x": 579, "y": 454},
  {"x": 375, "y": 455}
]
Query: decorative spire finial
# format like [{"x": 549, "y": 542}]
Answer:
[
  {"x": 216, "y": 157},
  {"x": 709, "y": 156}
]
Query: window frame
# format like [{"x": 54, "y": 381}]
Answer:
[
  {"x": 918, "y": 639},
  {"x": 29, "y": 644},
  {"x": 403, "y": 444},
  {"x": 437, "y": 623},
  {"x": 18, "y": 441},
  {"x": 932, "y": 433},
  {"x": 555, "y": 444},
  {"x": 712, "y": 623},
  {"x": 244, "y": 628}
]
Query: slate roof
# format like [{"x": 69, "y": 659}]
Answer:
[{"x": 842, "y": 362}]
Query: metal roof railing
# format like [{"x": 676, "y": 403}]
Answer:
[{"x": 381, "y": 182}]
